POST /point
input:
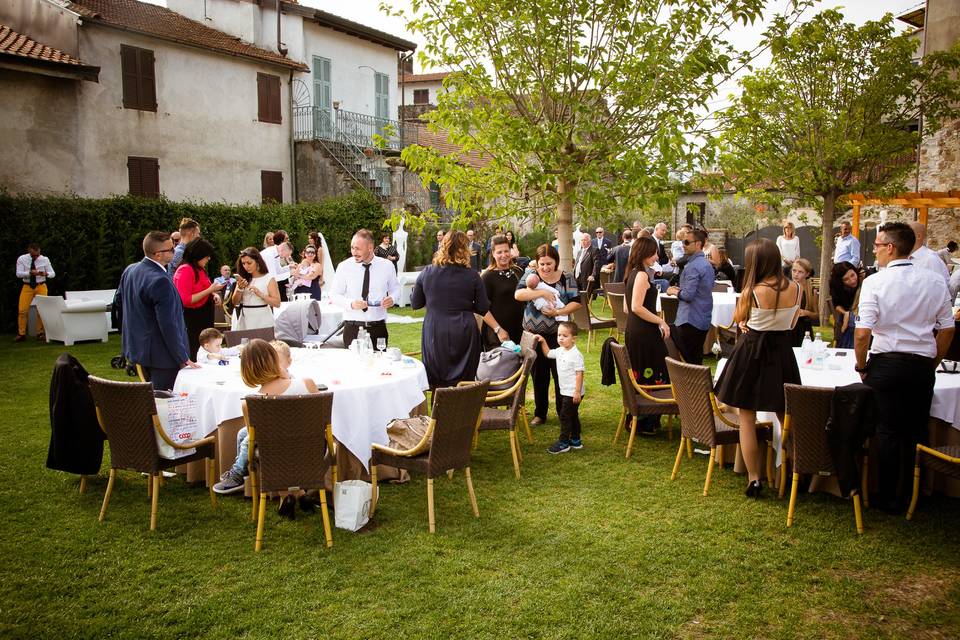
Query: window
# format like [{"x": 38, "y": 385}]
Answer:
[
  {"x": 322, "y": 98},
  {"x": 382, "y": 96},
  {"x": 271, "y": 186},
  {"x": 144, "y": 177},
  {"x": 421, "y": 96},
  {"x": 139, "y": 79},
  {"x": 268, "y": 98},
  {"x": 434, "y": 195}
]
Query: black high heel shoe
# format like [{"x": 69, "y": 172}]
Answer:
[
  {"x": 286, "y": 508},
  {"x": 754, "y": 489}
]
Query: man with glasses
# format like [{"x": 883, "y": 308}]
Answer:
[
  {"x": 603, "y": 245},
  {"x": 33, "y": 269},
  {"x": 153, "y": 333},
  {"x": 696, "y": 298},
  {"x": 848, "y": 247},
  {"x": 900, "y": 307}
]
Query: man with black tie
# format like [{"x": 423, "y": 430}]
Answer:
[
  {"x": 586, "y": 269},
  {"x": 365, "y": 287},
  {"x": 476, "y": 252},
  {"x": 603, "y": 245}
]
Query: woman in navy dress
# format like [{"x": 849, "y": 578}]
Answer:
[{"x": 452, "y": 292}]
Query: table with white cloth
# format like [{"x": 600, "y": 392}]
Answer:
[
  {"x": 366, "y": 396},
  {"x": 838, "y": 371},
  {"x": 330, "y": 315},
  {"x": 724, "y": 305}
]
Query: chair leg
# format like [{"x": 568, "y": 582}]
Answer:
[
  {"x": 327, "y": 534},
  {"x": 430, "y": 516},
  {"x": 516, "y": 440},
  {"x": 261, "y": 516},
  {"x": 676, "y": 465},
  {"x": 473, "y": 496},
  {"x": 793, "y": 498},
  {"x": 706, "y": 485},
  {"x": 690, "y": 448},
  {"x": 211, "y": 476},
  {"x": 374, "y": 489},
  {"x": 623, "y": 419},
  {"x": 719, "y": 456},
  {"x": 913, "y": 498},
  {"x": 149, "y": 486},
  {"x": 333, "y": 473},
  {"x": 526, "y": 425},
  {"x": 513, "y": 451},
  {"x": 106, "y": 495},
  {"x": 670, "y": 428},
  {"x": 450, "y": 474},
  {"x": 153, "y": 501},
  {"x": 633, "y": 434},
  {"x": 783, "y": 475},
  {"x": 857, "y": 513},
  {"x": 865, "y": 482},
  {"x": 769, "y": 464},
  {"x": 254, "y": 496},
  {"x": 83, "y": 483}
]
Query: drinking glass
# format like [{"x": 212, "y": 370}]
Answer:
[{"x": 381, "y": 345}]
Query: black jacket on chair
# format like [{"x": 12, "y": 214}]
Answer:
[
  {"x": 608, "y": 367},
  {"x": 853, "y": 414},
  {"x": 76, "y": 440}
]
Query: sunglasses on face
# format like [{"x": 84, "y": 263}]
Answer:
[{"x": 688, "y": 242}]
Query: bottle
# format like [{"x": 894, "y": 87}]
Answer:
[
  {"x": 806, "y": 351},
  {"x": 819, "y": 352}
]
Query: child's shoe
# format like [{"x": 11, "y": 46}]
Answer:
[
  {"x": 560, "y": 446},
  {"x": 230, "y": 482},
  {"x": 576, "y": 443}
]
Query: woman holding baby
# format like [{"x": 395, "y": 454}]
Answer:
[{"x": 551, "y": 296}]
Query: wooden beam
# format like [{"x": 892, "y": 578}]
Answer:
[
  {"x": 856, "y": 221},
  {"x": 922, "y": 215}
]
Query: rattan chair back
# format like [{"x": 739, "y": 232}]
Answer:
[
  {"x": 672, "y": 350},
  {"x": 529, "y": 341},
  {"x": 529, "y": 357},
  {"x": 621, "y": 359},
  {"x": 619, "y": 315},
  {"x": 692, "y": 387},
  {"x": 615, "y": 288},
  {"x": 126, "y": 411},
  {"x": 233, "y": 338},
  {"x": 808, "y": 409},
  {"x": 581, "y": 317},
  {"x": 456, "y": 411},
  {"x": 290, "y": 439}
]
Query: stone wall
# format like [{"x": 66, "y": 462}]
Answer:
[
  {"x": 318, "y": 176},
  {"x": 940, "y": 171}
]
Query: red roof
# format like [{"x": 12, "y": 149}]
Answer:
[
  {"x": 18, "y": 45},
  {"x": 160, "y": 22},
  {"x": 439, "y": 142},
  {"x": 423, "y": 77}
]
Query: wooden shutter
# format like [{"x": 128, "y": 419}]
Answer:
[
  {"x": 268, "y": 98},
  {"x": 148, "y": 82},
  {"x": 137, "y": 67},
  {"x": 271, "y": 186},
  {"x": 144, "y": 177},
  {"x": 382, "y": 95},
  {"x": 421, "y": 96}
]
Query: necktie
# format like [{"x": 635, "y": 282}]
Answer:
[
  {"x": 33, "y": 276},
  {"x": 365, "y": 290}
]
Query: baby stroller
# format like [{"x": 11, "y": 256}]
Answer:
[{"x": 300, "y": 319}]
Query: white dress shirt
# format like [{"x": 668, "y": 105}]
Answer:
[
  {"x": 271, "y": 257},
  {"x": 348, "y": 283},
  {"x": 954, "y": 285},
  {"x": 42, "y": 264},
  {"x": 847, "y": 250},
  {"x": 902, "y": 306},
  {"x": 789, "y": 249},
  {"x": 927, "y": 258}
]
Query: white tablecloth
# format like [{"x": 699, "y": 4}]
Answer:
[
  {"x": 330, "y": 316},
  {"x": 838, "y": 371},
  {"x": 724, "y": 304},
  {"x": 365, "y": 397}
]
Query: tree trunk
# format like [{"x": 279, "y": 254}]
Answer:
[
  {"x": 826, "y": 254},
  {"x": 565, "y": 224}
]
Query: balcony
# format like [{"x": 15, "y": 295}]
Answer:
[{"x": 356, "y": 130}]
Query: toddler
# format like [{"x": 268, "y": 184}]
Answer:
[
  {"x": 534, "y": 282},
  {"x": 570, "y": 368},
  {"x": 211, "y": 349}
]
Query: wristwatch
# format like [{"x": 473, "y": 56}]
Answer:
[
  {"x": 862, "y": 369},
  {"x": 496, "y": 329}
]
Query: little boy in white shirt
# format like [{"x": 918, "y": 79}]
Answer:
[
  {"x": 570, "y": 368},
  {"x": 211, "y": 349}
]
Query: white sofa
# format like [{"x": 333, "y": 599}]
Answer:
[
  {"x": 68, "y": 322},
  {"x": 100, "y": 295},
  {"x": 408, "y": 279}
]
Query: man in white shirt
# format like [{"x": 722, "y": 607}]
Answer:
[
  {"x": 33, "y": 269},
  {"x": 365, "y": 287},
  {"x": 848, "y": 247},
  {"x": 271, "y": 256},
  {"x": 925, "y": 257},
  {"x": 900, "y": 307}
]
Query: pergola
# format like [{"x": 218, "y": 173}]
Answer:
[{"x": 922, "y": 201}]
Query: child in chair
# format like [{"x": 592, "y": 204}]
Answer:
[
  {"x": 211, "y": 347},
  {"x": 570, "y": 369},
  {"x": 534, "y": 282}
]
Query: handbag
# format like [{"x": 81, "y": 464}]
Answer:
[
  {"x": 351, "y": 504},
  {"x": 498, "y": 364}
]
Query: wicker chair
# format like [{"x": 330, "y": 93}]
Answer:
[
  {"x": 672, "y": 349},
  {"x": 668, "y": 308},
  {"x": 221, "y": 319},
  {"x": 233, "y": 338},
  {"x": 619, "y": 315},
  {"x": 805, "y": 436},
  {"x": 127, "y": 413},
  {"x": 702, "y": 420},
  {"x": 604, "y": 281},
  {"x": 495, "y": 418},
  {"x": 638, "y": 399},
  {"x": 942, "y": 459},
  {"x": 529, "y": 341},
  {"x": 588, "y": 322},
  {"x": 291, "y": 447},
  {"x": 727, "y": 339},
  {"x": 456, "y": 414}
]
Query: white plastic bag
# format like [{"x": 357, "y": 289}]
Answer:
[
  {"x": 351, "y": 504},
  {"x": 178, "y": 417}
]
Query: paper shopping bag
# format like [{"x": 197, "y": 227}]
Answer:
[
  {"x": 178, "y": 417},
  {"x": 351, "y": 504}
]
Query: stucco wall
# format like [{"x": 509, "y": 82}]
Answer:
[
  {"x": 205, "y": 131},
  {"x": 434, "y": 87},
  {"x": 38, "y": 133}
]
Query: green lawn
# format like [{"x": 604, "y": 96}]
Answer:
[{"x": 587, "y": 544}]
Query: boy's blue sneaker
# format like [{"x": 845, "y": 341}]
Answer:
[
  {"x": 576, "y": 443},
  {"x": 560, "y": 446}
]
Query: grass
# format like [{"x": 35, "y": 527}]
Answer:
[{"x": 587, "y": 544}]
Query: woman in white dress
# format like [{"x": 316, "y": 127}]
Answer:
[
  {"x": 316, "y": 239},
  {"x": 256, "y": 293},
  {"x": 789, "y": 246}
]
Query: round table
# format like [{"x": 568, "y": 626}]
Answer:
[
  {"x": 724, "y": 305},
  {"x": 366, "y": 396}
]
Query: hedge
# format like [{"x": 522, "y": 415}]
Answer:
[{"x": 90, "y": 241}]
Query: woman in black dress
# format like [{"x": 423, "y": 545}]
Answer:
[
  {"x": 452, "y": 293},
  {"x": 504, "y": 320}
]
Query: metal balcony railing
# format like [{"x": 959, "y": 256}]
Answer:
[{"x": 356, "y": 129}]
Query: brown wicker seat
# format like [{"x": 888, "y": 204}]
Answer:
[
  {"x": 588, "y": 322},
  {"x": 639, "y": 399},
  {"x": 668, "y": 308},
  {"x": 127, "y": 413},
  {"x": 672, "y": 349},
  {"x": 291, "y": 446},
  {"x": 495, "y": 418},
  {"x": 221, "y": 318},
  {"x": 727, "y": 339},
  {"x": 943, "y": 459},
  {"x": 456, "y": 414},
  {"x": 619, "y": 315},
  {"x": 529, "y": 341},
  {"x": 804, "y": 433},
  {"x": 701, "y": 418},
  {"x": 233, "y": 338}
]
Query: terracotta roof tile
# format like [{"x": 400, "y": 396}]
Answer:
[
  {"x": 18, "y": 44},
  {"x": 424, "y": 77},
  {"x": 439, "y": 142},
  {"x": 163, "y": 23}
]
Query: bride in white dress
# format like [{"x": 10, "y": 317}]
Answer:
[{"x": 316, "y": 239}]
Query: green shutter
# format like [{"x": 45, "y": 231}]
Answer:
[
  {"x": 322, "y": 97},
  {"x": 382, "y": 96}
]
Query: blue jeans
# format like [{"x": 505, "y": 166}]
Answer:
[{"x": 243, "y": 452}]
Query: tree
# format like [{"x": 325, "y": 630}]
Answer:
[
  {"x": 577, "y": 104},
  {"x": 835, "y": 113}
]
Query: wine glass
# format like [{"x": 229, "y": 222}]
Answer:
[{"x": 381, "y": 345}]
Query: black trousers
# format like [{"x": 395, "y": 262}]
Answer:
[
  {"x": 689, "y": 341},
  {"x": 377, "y": 329},
  {"x": 161, "y": 379},
  {"x": 543, "y": 368},
  {"x": 569, "y": 419},
  {"x": 903, "y": 385}
]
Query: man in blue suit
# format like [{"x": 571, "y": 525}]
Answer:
[{"x": 154, "y": 335}]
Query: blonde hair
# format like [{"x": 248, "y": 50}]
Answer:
[
  {"x": 454, "y": 249},
  {"x": 283, "y": 350},
  {"x": 259, "y": 363},
  {"x": 813, "y": 301}
]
